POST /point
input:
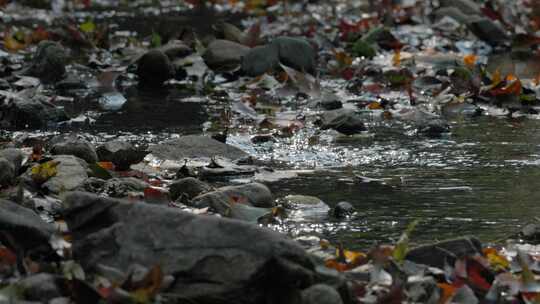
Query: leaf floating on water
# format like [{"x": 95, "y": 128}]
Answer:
[
  {"x": 402, "y": 246},
  {"x": 88, "y": 27},
  {"x": 155, "y": 40},
  {"x": 42, "y": 172}
]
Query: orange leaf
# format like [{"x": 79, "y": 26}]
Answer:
[
  {"x": 11, "y": 44},
  {"x": 470, "y": 60},
  {"x": 374, "y": 106},
  {"x": 496, "y": 78},
  {"x": 106, "y": 165},
  {"x": 448, "y": 292},
  {"x": 396, "y": 59}
]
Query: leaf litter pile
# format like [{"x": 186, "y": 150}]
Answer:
[{"x": 88, "y": 217}]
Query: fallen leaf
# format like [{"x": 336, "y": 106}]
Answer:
[{"x": 42, "y": 172}]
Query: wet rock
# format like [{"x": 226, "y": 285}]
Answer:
[
  {"x": 434, "y": 128},
  {"x": 223, "y": 55},
  {"x": 189, "y": 186},
  {"x": 296, "y": 53},
  {"x": 305, "y": 207},
  {"x": 454, "y": 13},
  {"x": 343, "y": 121},
  {"x": 438, "y": 254},
  {"x": 254, "y": 194},
  {"x": 213, "y": 260},
  {"x": 30, "y": 113},
  {"x": 41, "y": 287},
  {"x": 530, "y": 233},
  {"x": 175, "y": 49},
  {"x": 195, "y": 146},
  {"x": 7, "y": 172},
  {"x": 122, "y": 154},
  {"x": 124, "y": 186},
  {"x": 343, "y": 209},
  {"x": 77, "y": 147},
  {"x": 321, "y": 294},
  {"x": 468, "y": 7},
  {"x": 461, "y": 110},
  {"x": 487, "y": 30},
  {"x": 422, "y": 289},
  {"x": 13, "y": 155},
  {"x": 71, "y": 174},
  {"x": 23, "y": 226},
  {"x": 49, "y": 62},
  {"x": 260, "y": 60},
  {"x": 330, "y": 102},
  {"x": 154, "y": 68}
]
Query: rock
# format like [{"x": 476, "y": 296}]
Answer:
[
  {"x": 306, "y": 207},
  {"x": 260, "y": 60},
  {"x": 467, "y": 7},
  {"x": 454, "y": 13},
  {"x": 23, "y": 226},
  {"x": 15, "y": 156},
  {"x": 422, "y": 289},
  {"x": 154, "y": 68},
  {"x": 296, "y": 53},
  {"x": 213, "y": 260},
  {"x": 461, "y": 110},
  {"x": 7, "y": 172},
  {"x": 195, "y": 146},
  {"x": 438, "y": 254},
  {"x": 41, "y": 287},
  {"x": 254, "y": 194},
  {"x": 189, "y": 186},
  {"x": 321, "y": 294},
  {"x": 71, "y": 174},
  {"x": 77, "y": 147},
  {"x": 343, "y": 121},
  {"x": 122, "y": 154},
  {"x": 530, "y": 233},
  {"x": 49, "y": 62},
  {"x": 123, "y": 186},
  {"x": 343, "y": 209},
  {"x": 224, "y": 55},
  {"x": 175, "y": 49},
  {"x": 434, "y": 128},
  {"x": 330, "y": 102},
  {"x": 489, "y": 31},
  {"x": 31, "y": 113}
]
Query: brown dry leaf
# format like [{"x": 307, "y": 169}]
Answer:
[
  {"x": 11, "y": 44},
  {"x": 447, "y": 292},
  {"x": 396, "y": 59},
  {"x": 470, "y": 60}
]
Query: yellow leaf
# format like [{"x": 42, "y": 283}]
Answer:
[
  {"x": 42, "y": 172},
  {"x": 497, "y": 261},
  {"x": 375, "y": 106},
  {"x": 396, "y": 59},
  {"x": 470, "y": 60},
  {"x": 496, "y": 78},
  {"x": 11, "y": 44},
  {"x": 402, "y": 246},
  {"x": 88, "y": 26}
]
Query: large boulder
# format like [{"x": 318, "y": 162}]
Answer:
[
  {"x": 189, "y": 186},
  {"x": 31, "y": 113},
  {"x": 49, "y": 62},
  {"x": 14, "y": 156},
  {"x": 221, "y": 55},
  {"x": 467, "y": 7},
  {"x": 7, "y": 172},
  {"x": 154, "y": 68},
  {"x": 344, "y": 121},
  {"x": 489, "y": 31},
  {"x": 77, "y": 147},
  {"x": 260, "y": 60},
  {"x": 195, "y": 146},
  {"x": 213, "y": 260},
  {"x": 321, "y": 294}
]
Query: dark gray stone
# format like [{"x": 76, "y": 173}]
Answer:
[
  {"x": 22, "y": 226},
  {"x": 41, "y": 287},
  {"x": 254, "y": 194},
  {"x": 260, "y": 60},
  {"x": 213, "y": 260},
  {"x": 154, "y": 68},
  {"x": 343, "y": 121},
  {"x": 123, "y": 186},
  {"x": 195, "y": 146},
  {"x": 122, "y": 154},
  {"x": 343, "y": 209},
  {"x": 296, "y": 53},
  {"x": 15, "y": 156},
  {"x": 49, "y": 62},
  {"x": 77, "y": 147},
  {"x": 321, "y": 294},
  {"x": 222, "y": 55},
  {"x": 422, "y": 289},
  {"x": 434, "y": 128},
  {"x": 7, "y": 172},
  {"x": 175, "y": 49},
  {"x": 189, "y": 186},
  {"x": 530, "y": 233},
  {"x": 30, "y": 113},
  {"x": 487, "y": 30},
  {"x": 438, "y": 254}
]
